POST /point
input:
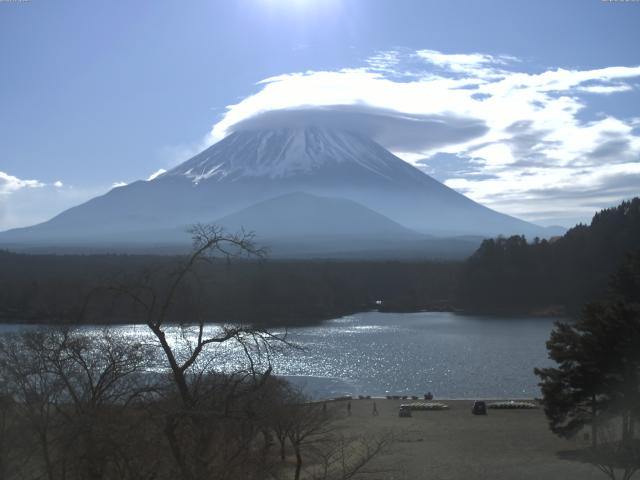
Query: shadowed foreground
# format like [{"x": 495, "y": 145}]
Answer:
[{"x": 454, "y": 444}]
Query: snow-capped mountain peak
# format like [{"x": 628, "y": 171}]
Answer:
[
  {"x": 301, "y": 168},
  {"x": 285, "y": 152}
]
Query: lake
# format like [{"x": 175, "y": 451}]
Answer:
[{"x": 373, "y": 353}]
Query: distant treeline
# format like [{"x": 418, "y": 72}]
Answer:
[
  {"x": 505, "y": 275},
  {"x": 51, "y": 288},
  {"x": 511, "y": 275}
]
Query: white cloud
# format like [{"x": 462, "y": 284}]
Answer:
[
  {"x": 10, "y": 184},
  {"x": 397, "y": 131},
  {"x": 384, "y": 61},
  {"x": 476, "y": 64},
  {"x": 531, "y": 134},
  {"x": 605, "y": 89},
  {"x": 156, "y": 174},
  {"x": 28, "y": 202}
]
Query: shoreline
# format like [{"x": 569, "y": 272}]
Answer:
[
  {"x": 434, "y": 399},
  {"x": 538, "y": 313},
  {"x": 454, "y": 444}
]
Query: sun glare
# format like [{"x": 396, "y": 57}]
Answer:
[{"x": 306, "y": 7}]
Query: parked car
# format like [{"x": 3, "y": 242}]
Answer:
[
  {"x": 479, "y": 408},
  {"x": 405, "y": 411}
]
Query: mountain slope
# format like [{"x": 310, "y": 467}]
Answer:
[
  {"x": 300, "y": 224},
  {"x": 249, "y": 167},
  {"x": 296, "y": 215},
  {"x": 343, "y": 164}
]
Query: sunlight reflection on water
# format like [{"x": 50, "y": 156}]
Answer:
[
  {"x": 374, "y": 353},
  {"x": 450, "y": 355}
]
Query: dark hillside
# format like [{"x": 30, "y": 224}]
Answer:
[{"x": 511, "y": 275}]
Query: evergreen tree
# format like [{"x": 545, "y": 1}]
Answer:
[
  {"x": 511, "y": 274},
  {"x": 626, "y": 281},
  {"x": 573, "y": 393},
  {"x": 598, "y": 367}
]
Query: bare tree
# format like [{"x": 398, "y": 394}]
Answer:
[
  {"x": 96, "y": 410},
  {"x": 7, "y": 430},
  {"x": 34, "y": 394},
  {"x": 207, "y": 396},
  {"x": 321, "y": 451},
  {"x": 68, "y": 391},
  {"x": 310, "y": 425},
  {"x": 345, "y": 458},
  {"x": 616, "y": 457},
  {"x": 209, "y": 242}
]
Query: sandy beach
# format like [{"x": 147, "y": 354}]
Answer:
[{"x": 454, "y": 444}]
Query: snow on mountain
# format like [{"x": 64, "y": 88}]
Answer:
[
  {"x": 252, "y": 166},
  {"x": 285, "y": 153}
]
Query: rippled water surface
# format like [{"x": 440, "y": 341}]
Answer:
[
  {"x": 450, "y": 355},
  {"x": 373, "y": 353}
]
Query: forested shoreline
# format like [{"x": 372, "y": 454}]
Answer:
[
  {"x": 504, "y": 276},
  {"x": 562, "y": 274},
  {"x": 55, "y": 289}
]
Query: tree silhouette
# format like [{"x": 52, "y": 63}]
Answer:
[
  {"x": 513, "y": 275},
  {"x": 574, "y": 392},
  {"x": 597, "y": 378}
]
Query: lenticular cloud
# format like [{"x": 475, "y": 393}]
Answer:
[
  {"x": 394, "y": 130},
  {"x": 526, "y": 135}
]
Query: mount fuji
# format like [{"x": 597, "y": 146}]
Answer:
[{"x": 293, "y": 186}]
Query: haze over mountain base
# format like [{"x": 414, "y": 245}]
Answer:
[{"x": 304, "y": 191}]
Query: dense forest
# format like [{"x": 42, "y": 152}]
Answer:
[
  {"x": 561, "y": 275},
  {"x": 505, "y": 275},
  {"x": 51, "y": 288}
]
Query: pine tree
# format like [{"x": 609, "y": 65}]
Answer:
[
  {"x": 598, "y": 367},
  {"x": 573, "y": 393}
]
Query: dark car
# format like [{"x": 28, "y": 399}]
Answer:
[
  {"x": 479, "y": 408},
  {"x": 405, "y": 411}
]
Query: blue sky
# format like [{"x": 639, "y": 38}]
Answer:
[{"x": 96, "y": 93}]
